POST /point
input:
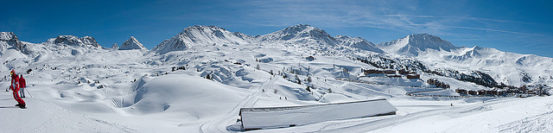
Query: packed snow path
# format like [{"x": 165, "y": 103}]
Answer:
[
  {"x": 45, "y": 116},
  {"x": 502, "y": 115},
  {"x": 226, "y": 124}
]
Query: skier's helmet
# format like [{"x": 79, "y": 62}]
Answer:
[{"x": 12, "y": 72}]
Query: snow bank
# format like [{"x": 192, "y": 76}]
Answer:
[
  {"x": 196, "y": 96},
  {"x": 275, "y": 117}
]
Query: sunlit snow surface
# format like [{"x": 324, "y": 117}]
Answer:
[{"x": 88, "y": 89}]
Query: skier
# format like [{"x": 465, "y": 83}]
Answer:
[
  {"x": 22, "y": 85},
  {"x": 15, "y": 88}
]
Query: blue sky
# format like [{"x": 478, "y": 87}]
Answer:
[{"x": 510, "y": 25}]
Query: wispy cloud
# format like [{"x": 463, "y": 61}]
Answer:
[{"x": 389, "y": 15}]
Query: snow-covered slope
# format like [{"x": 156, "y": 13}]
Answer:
[
  {"x": 505, "y": 67},
  {"x": 359, "y": 43},
  {"x": 115, "y": 46},
  {"x": 9, "y": 40},
  {"x": 70, "y": 40},
  {"x": 412, "y": 44},
  {"x": 201, "y": 35},
  {"x": 132, "y": 43},
  {"x": 198, "y": 80},
  {"x": 300, "y": 34}
]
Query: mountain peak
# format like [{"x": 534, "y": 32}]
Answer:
[
  {"x": 302, "y": 28},
  {"x": 198, "y": 35},
  {"x": 75, "y": 41},
  {"x": 415, "y": 43},
  {"x": 115, "y": 46},
  {"x": 202, "y": 27},
  {"x": 9, "y": 39},
  {"x": 301, "y": 33},
  {"x": 358, "y": 42},
  {"x": 422, "y": 35},
  {"x": 5, "y": 36},
  {"x": 132, "y": 43}
]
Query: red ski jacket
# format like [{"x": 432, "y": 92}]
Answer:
[
  {"x": 15, "y": 83},
  {"x": 22, "y": 83}
]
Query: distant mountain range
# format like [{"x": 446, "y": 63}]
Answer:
[{"x": 432, "y": 51}]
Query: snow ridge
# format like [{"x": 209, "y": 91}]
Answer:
[
  {"x": 359, "y": 43},
  {"x": 131, "y": 44},
  {"x": 301, "y": 33},
  {"x": 412, "y": 44},
  {"x": 70, "y": 40},
  {"x": 114, "y": 46},
  {"x": 201, "y": 35},
  {"x": 9, "y": 39}
]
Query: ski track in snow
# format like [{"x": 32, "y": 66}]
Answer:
[{"x": 223, "y": 124}]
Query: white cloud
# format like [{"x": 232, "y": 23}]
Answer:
[{"x": 388, "y": 14}]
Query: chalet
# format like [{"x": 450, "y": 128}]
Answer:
[
  {"x": 514, "y": 91},
  {"x": 501, "y": 93},
  {"x": 532, "y": 92},
  {"x": 461, "y": 91},
  {"x": 372, "y": 71},
  {"x": 482, "y": 92},
  {"x": 393, "y": 76},
  {"x": 473, "y": 92},
  {"x": 403, "y": 72},
  {"x": 413, "y": 76},
  {"x": 390, "y": 71},
  {"x": 491, "y": 92}
]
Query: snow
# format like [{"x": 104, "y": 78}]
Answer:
[
  {"x": 358, "y": 43},
  {"x": 414, "y": 43},
  {"x": 75, "y": 86},
  {"x": 275, "y": 117},
  {"x": 7, "y": 40},
  {"x": 4, "y": 36},
  {"x": 201, "y": 35},
  {"x": 132, "y": 43},
  {"x": 85, "y": 41},
  {"x": 504, "y": 67},
  {"x": 115, "y": 46}
]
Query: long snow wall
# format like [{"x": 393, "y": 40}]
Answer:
[{"x": 277, "y": 117}]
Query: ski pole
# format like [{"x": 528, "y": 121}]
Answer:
[{"x": 29, "y": 93}]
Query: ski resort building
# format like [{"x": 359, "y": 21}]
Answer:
[
  {"x": 279, "y": 117},
  {"x": 413, "y": 76}
]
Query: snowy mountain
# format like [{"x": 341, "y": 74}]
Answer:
[
  {"x": 9, "y": 39},
  {"x": 132, "y": 43},
  {"x": 70, "y": 40},
  {"x": 316, "y": 41},
  {"x": 199, "y": 79},
  {"x": 411, "y": 45},
  {"x": 506, "y": 67},
  {"x": 115, "y": 46},
  {"x": 359, "y": 43},
  {"x": 466, "y": 54},
  {"x": 200, "y": 36},
  {"x": 301, "y": 36},
  {"x": 301, "y": 33}
]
